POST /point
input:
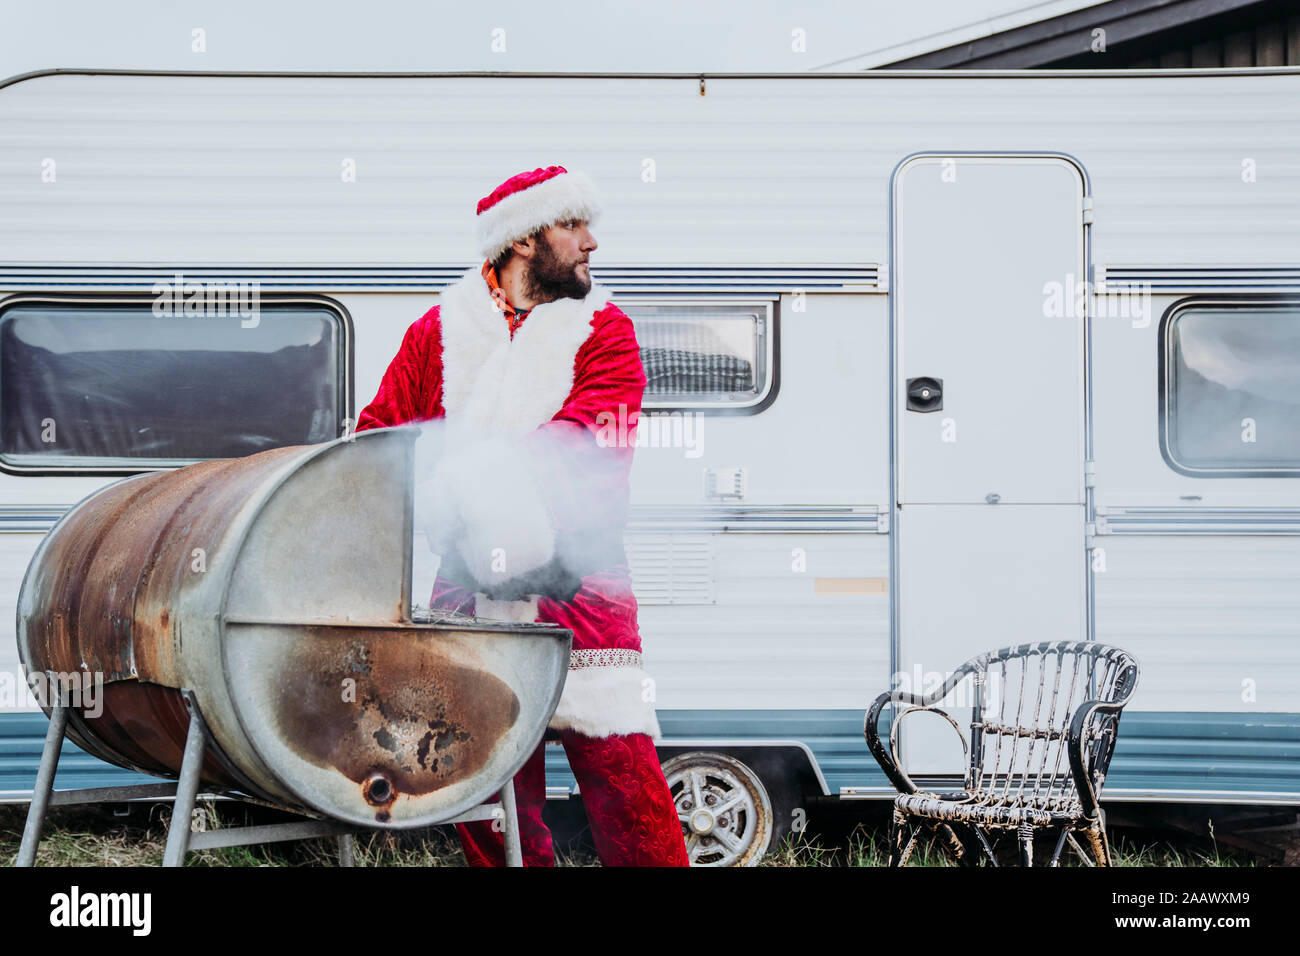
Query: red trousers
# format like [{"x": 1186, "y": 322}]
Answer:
[{"x": 631, "y": 812}]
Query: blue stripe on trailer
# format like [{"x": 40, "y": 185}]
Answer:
[
  {"x": 834, "y": 736},
  {"x": 1158, "y": 751},
  {"x": 1166, "y": 751},
  {"x": 1243, "y": 753},
  {"x": 22, "y": 737}
]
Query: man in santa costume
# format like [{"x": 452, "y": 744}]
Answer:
[{"x": 534, "y": 368}]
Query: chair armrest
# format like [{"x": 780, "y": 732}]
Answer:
[
  {"x": 886, "y": 758},
  {"x": 1089, "y": 798}
]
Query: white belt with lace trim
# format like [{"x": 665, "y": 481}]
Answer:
[{"x": 604, "y": 657}]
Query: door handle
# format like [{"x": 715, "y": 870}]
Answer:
[{"x": 924, "y": 394}]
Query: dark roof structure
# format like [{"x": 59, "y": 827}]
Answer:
[{"x": 1135, "y": 34}]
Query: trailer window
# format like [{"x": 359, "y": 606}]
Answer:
[
  {"x": 110, "y": 385},
  {"x": 702, "y": 356},
  {"x": 1230, "y": 403}
]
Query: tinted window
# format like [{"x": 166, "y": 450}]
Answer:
[
  {"x": 697, "y": 356},
  {"x": 91, "y": 385},
  {"x": 1232, "y": 391}
]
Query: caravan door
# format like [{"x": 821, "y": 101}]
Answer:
[{"x": 989, "y": 420}]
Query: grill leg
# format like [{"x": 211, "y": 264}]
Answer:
[
  {"x": 347, "y": 850},
  {"x": 44, "y": 783},
  {"x": 187, "y": 788},
  {"x": 1026, "y": 832},
  {"x": 514, "y": 850}
]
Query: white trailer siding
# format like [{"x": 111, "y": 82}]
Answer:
[
  {"x": 1213, "y": 619},
  {"x": 771, "y": 190},
  {"x": 243, "y": 170}
]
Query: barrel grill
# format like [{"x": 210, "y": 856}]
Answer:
[{"x": 275, "y": 590}]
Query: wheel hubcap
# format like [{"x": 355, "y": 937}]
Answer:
[
  {"x": 702, "y": 821},
  {"x": 723, "y": 808}
]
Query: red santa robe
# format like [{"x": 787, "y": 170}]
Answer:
[{"x": 572, "y": 370}]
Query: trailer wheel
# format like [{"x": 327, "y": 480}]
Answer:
[{"x": 723, "y": 807}]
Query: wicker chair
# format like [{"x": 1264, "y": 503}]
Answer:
[{"x": 1041, "y": 768}]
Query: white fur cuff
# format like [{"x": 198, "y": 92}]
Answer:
[{"x": 603, "y": 701}]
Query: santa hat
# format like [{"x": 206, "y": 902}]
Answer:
[{"x": 530, "y": 201}]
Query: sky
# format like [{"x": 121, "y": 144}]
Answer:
[{"x": 433, "y": 36}]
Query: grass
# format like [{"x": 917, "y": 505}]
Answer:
[
  {"x": 94, "y": 836},
  {"x": 868, "y": 846}
]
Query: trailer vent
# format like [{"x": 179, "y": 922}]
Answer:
[
  {"x": 770, "y": 280},
  {"x": 1185, "y": 279},
  {"x": 671, "y": 568}
]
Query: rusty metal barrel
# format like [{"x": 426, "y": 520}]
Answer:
[{"x": 275, "y": 589}]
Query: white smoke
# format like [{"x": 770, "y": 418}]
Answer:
[{"x": 515, "y": 515}]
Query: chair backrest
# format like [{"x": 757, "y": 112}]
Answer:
[{"x": 1025, "y": 699}]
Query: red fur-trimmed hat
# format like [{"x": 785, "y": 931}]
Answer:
[{"x": 530, "y": 201}]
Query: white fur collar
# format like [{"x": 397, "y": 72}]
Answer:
[{"x": 492, "y": 384}]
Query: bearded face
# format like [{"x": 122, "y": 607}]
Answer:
[{"x": 551, "y": 276}]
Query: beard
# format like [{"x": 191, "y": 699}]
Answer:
[{"x": 548, "y": 278}]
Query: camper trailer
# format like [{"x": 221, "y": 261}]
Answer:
[{"x": 974, "y": 359}]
